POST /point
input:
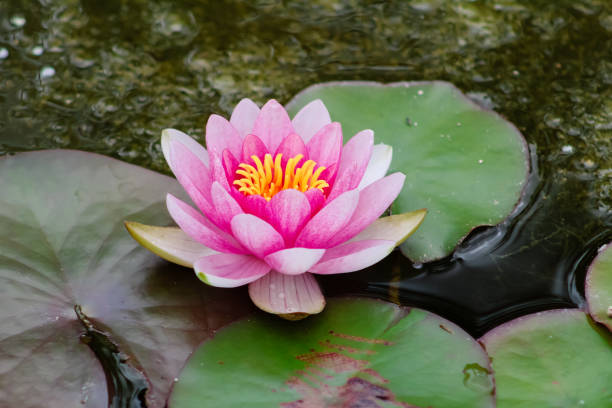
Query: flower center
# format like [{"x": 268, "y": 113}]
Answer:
[{"x": 268, "y": 178}]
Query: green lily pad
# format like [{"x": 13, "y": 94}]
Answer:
[
  {"x": 62, "y": 244},
  {"x": 358, "y": 352},
  {"x": 599, "y": 287},
  {"x": 465, "y": 164},
  {"x": 557, "y": 358}
]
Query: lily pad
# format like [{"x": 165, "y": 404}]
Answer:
[
  {"x": 557, "y": 358},
  {"x": 465, "y": 164},
  {"x": 358, "y": 352},
  {"x": 599, "y": 287},
  {"x": 63, "y": 244}
]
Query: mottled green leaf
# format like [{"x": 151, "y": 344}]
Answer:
[{"x": 357, "y": 352}]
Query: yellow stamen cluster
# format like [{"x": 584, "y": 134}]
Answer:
[{"x": 268, "y": 178}]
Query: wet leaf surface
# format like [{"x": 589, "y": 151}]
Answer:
[
  {"x": 62, "y": 244},
  {"x": 599, "y": 287},
  {"x": 358, "y": 352},
  {"x": 558, "y": 358},
  {"x": 466, "y": 165}
]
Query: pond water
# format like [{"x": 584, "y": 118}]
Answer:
[{"x": 107, "y": 76}]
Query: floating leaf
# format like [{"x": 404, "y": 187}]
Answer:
[
  {"x": 358, "y": 352},
  {"x": 62, "y": 244},
  {"x": 463, "y": 163},
  {"x": 557, "y": 358},
  {"x": 599, "y": 287}
]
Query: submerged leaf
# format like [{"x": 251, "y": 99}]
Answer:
[{"x": 62, "y": 244}]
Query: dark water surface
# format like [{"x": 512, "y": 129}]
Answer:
[{"x": 108, "y": 76}]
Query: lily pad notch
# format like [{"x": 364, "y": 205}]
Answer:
[{"x": 466, "y": 164}]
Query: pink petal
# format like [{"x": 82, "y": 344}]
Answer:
[
  {"x": 190, "y": 171},
  {"x": 373, "y": 201},
  {"x": 316, "y": 199},
  {"x": 230, "y": 165},
  {"x": 200, "y": 228},
  {"x": 259, "y": 237},
  {"x": 290, "y": 147},
  {"x": 272, "y": 125},
  {"x": 378, "y": 165},
  {"x": 288, "y": 212},
  {"x": 221, "y": 135},
  {"x": 328, "y": 222},
  {"x": 173, "y": 135},
  {"x": 310, "y": 119},
  {"x": 293, "y": 261},
  {"x": 256, "y": 205},
  {"x": 229, "y": 270},
  {"x": 353, "y": 256},
  {"x": 225, "y": 206},
  {"x": 292, "y": 297},
  {"x": 243, "y": 116},
  {"x": 325, "y": 146},
  {"x": 329, "y": 174},
  {"x": 253, "y": 146},
  {"x": 353, "y": 162},
  {"x": 217, "y": 170}
]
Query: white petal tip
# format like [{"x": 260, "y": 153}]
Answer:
[
  {"x": 168, "y": 134},
  {"x": 170, "y": 243},
  {"x": 291, "y": 297},
  {"x": 396, "y": 227}
]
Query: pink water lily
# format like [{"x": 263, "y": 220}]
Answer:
[{"x": 277, "y": 201}]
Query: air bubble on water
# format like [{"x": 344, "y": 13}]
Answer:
[
  {"x": 47, "y": 72},
  {"x": 588, "y": 164},
  {"x": 37, "y": 50},
  {"x": 176, "y": 27},
  {"x": 480, "y": 161},
  {"x": 553, "y": 122},
  {"x": 420, "y": 92},
  {"x": 17, "y": 20}
]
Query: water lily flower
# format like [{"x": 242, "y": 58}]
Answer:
[{"x": 278, "y": 200}]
